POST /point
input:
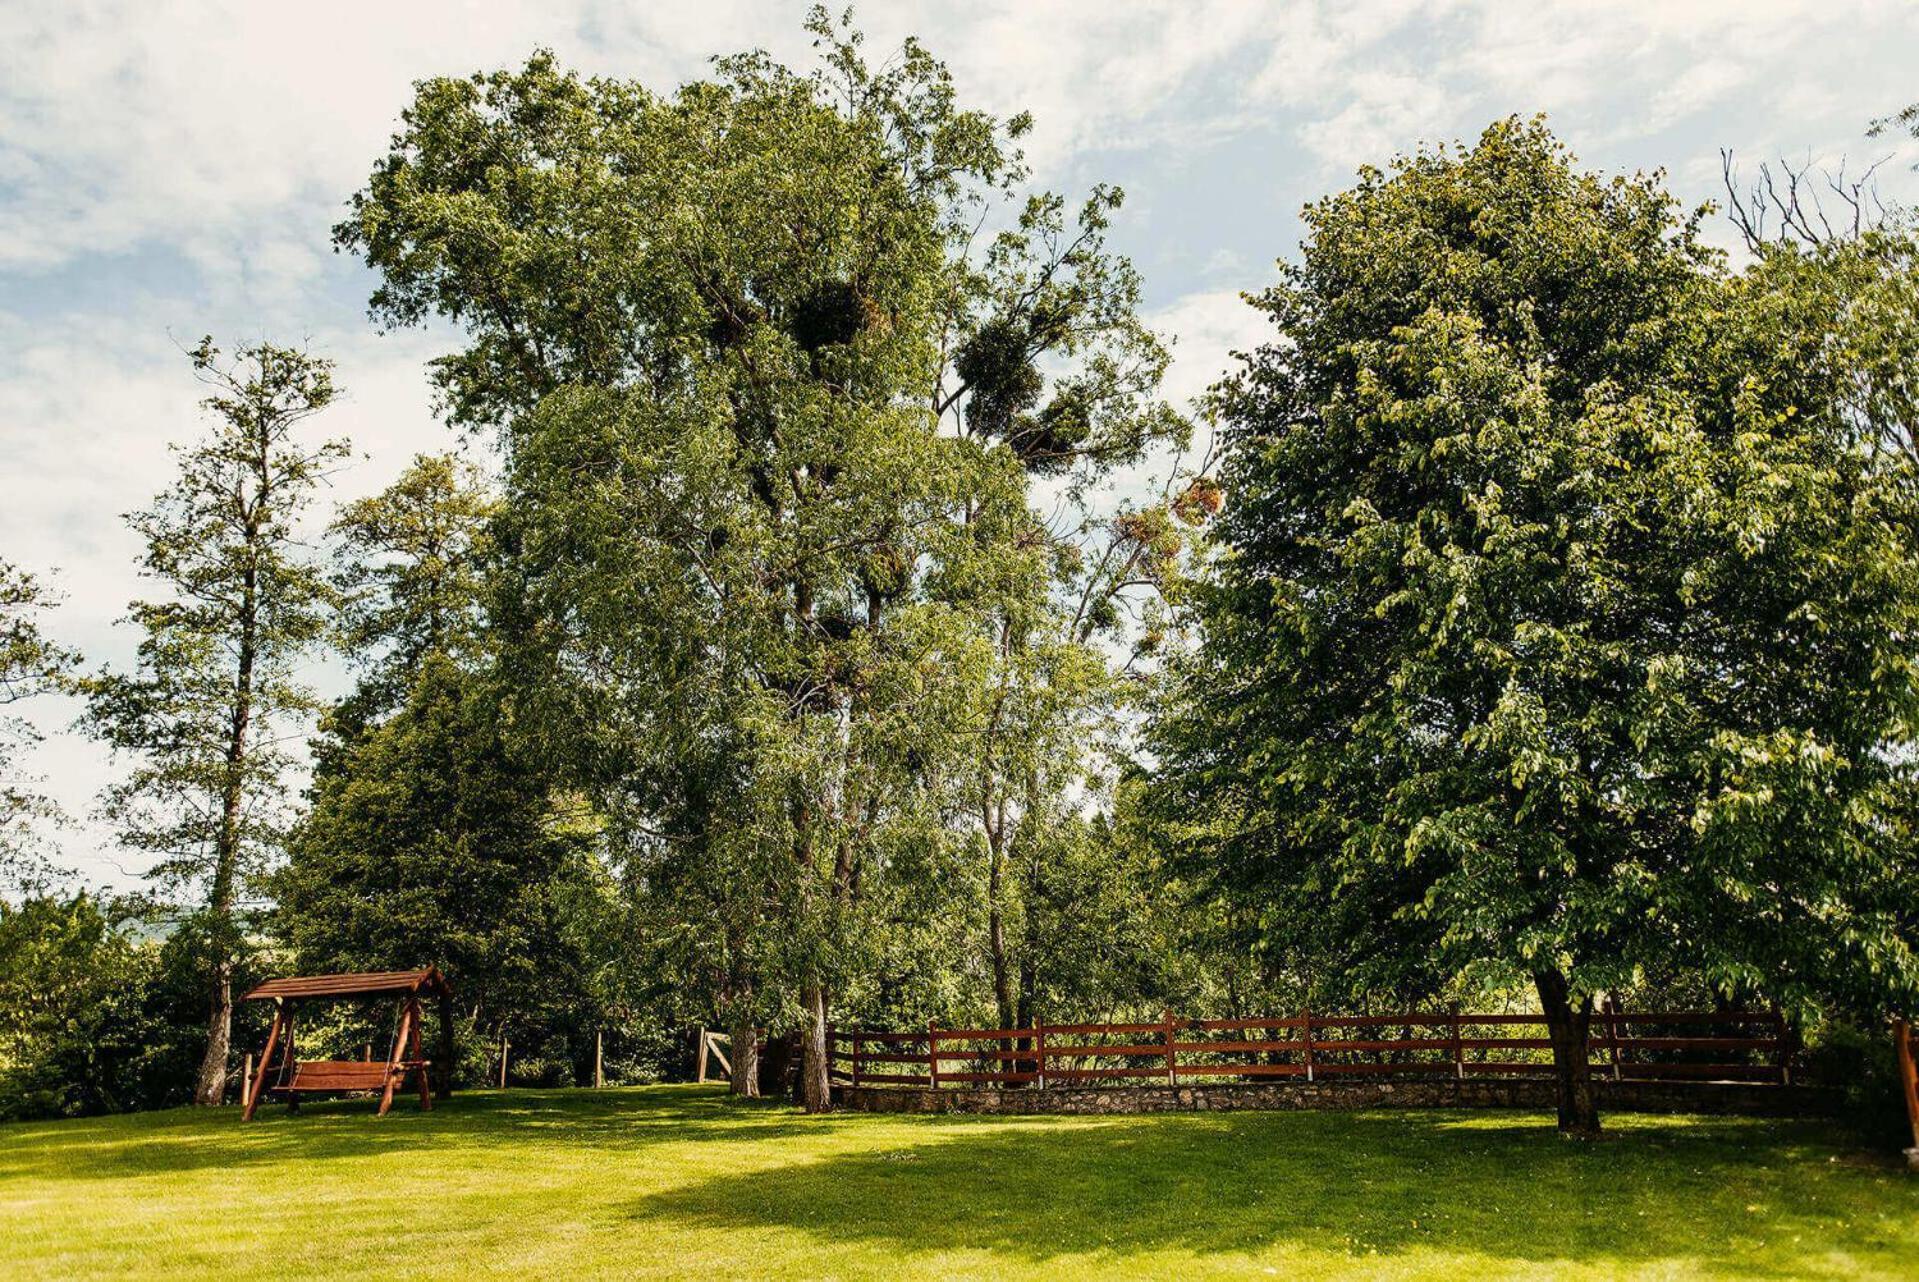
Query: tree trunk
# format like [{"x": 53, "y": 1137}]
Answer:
[
  {"x": 211, "y": 1087},
  {"x": 1568, "y": 1027},
  {"x": 996, "y": 919},
  {"x": 816, "y": 1093},
  {"x": 744, "y": 1080}
]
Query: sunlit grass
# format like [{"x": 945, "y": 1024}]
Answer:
[{"x": 677, "y": 1181}]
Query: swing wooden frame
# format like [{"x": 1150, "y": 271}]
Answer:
[{"x": 290, "y": 1077}]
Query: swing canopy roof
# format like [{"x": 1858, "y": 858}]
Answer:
[{"x": 389, "y": 983}]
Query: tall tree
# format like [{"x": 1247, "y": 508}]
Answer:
[
  {"x": 1563, "y": 623},
  {"x": 217, "y": 679},
  {"x": 30, "y": 664},
  {"x": 815, "y": 401},
  {"x": 431, "y": 837}
]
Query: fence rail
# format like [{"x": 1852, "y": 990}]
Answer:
[{"x": 1746, "y": 1046}]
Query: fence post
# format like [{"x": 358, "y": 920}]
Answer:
[
  {"x": 246, "y": 1082},
  {"x": 1612, "y": 1034},
  {"x": 1172, "y": 1060},
  {"x": 599, "y": 1057},
  {"x": 1784, "y": 1035},
  {"x": 1306, "y": 1014},
  {"x": 1909, "y": 1083},
  {"x": 855, "y": 1052},
  {"x": 932, "y": 1055},
  {"x": 1039, "y": 1050},
  {"x": 1459, "y": 1050}
]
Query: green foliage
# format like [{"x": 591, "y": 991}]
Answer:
[
  {"x": 427, "y": 844},
  {"x": 1563, "y": 625},
  {"x": 76, "y": 1032},
  {"x": 432, "y": 837},
  {"x": 30, "y": 664},
  {"x": 411, "y": 574},
  {"x": 220, "y": 653}
]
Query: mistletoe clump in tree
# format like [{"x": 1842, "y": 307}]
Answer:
[{"x": 1563, "y": 628}]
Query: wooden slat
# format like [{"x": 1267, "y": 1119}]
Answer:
[
  {"x": 1382, "y": 1021},
  {"x": 1692, "y": 1043},
  {"x": 1241, "y": 1070},
  {"x": 983, "y": 1052},
  {"x": 1695, "y": 1017},
  {"x": 1472, "y": 1066},
  {"x": 1225, "y": 1047},
  {"x": 878, "y": 1037},
  {"x": 1091, "y": 1052},
  {"x": 361, "y": 983},
  {"x": 982, "y": 1034},
  {"x": 1089, "y": 1074},
  {"x": 1704, "y": 1072},
  {"x": 1385, "y": 1070}
]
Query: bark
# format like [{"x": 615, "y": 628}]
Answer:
[
  {"x": 744, "y": 1080},
  {"x": 996, "y": 938},
  {"x": 816, "y": 1095},
  {"x": 212, "y": 1084},
  {"x": 1568, "y": 1026}
]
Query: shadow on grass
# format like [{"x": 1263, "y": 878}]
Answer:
[
  {"x": 186, "y": 1139},
  {"x": 1736, "y": 1196}
]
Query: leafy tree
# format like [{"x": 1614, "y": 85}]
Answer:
[
  {"x": 74, "y": 1030},
  {"x": 30, "y": 664},
  {"x": 431, "y": 838},
  {"x": 1562, "y": 630},
  {"x": 813, "y": 402},
  {"x": 217, "y": 675}
]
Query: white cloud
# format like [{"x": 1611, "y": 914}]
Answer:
[
  {"x": 1388, "y": 114},
  {"x": 1207, "y": 329},
  {"x": 124, "y": 123}
]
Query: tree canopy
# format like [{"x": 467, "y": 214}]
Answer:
[{"x": 1563, "y": 621}]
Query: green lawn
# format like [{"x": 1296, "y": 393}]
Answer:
[{"x": 677, "y": 1181}]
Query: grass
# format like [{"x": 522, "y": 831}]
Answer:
[{"x": 678, "y": 1181}]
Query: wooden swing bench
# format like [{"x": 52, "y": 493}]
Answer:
[{"x": 289, "y": 1077}]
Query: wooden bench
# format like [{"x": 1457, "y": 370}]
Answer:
[{"x": 319, "y": 1075}]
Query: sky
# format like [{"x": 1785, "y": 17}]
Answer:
[{"x": 172, "y": 170}]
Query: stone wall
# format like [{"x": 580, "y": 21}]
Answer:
[{"x": 1348, "y": 1093}]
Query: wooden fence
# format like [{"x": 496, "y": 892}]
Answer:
[{"x": 1701, "y": 1045}]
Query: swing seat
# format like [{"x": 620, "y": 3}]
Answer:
[
  {"x": 315, "y": 1076},
  {"x": 289, "y": 1077}
]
